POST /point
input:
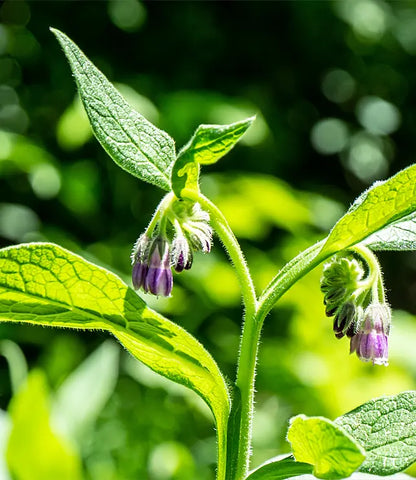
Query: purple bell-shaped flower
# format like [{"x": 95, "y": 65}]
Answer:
[{"x": 370, "y": 341}]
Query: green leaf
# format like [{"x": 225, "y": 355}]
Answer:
[
  {"x": 280, "y": 469},
  {"x": 386, "y": 428},
  {"x": 400, "y": 235},
  {"x": 363, "y": 476},
  {"x": 16, "y": 362},
  {"x": 76, "y": 405},
  {"x": 44, "y": 284},
  {"x": 377, "y": 208},
  {"x": 34, "y": 451},
  {"x": 133, "y": 142},
  {"x": 208, "y": 144},
  {"x": 318, "y": 441}
]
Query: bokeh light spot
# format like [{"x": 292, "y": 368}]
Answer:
[
  {"x": 338, "y": 86},
  {"x": 378, "y": 116},
  {"x": 15, "y": 13},
  {"x": 13, "y": 118},
  {"x": 128, "y": 15},
  {"x": 329, "y": 136},
  {"x": 45, "y": 181},
  {"x": 170, "y": 459},
  {"x": 16, "y": 221},
  {"x": 368, "y": 18},
  {"x": 366, "y": 158},
  {"x": 405, "y": 30}
]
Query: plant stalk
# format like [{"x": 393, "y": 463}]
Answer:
[{"x": 240, "y": 426}]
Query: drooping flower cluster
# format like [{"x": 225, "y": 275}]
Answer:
[
  {"x": 182, "y": 228},
  {"x": 354, "y": 296}
]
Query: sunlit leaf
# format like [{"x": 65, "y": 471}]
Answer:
[
  {"x": 363, "y": 476},
  {"x": 280, "y": 469},
  {"x": 318, "y": 441},
  {"x": 386, "y": 428},
  {"x": 34, "y": 450},
  {"x": 377, "y": 208},
  {"x": 208, "y": 144},
  {"x": 133, "y": 142},
  {"x": 400, "y": 235},
  {"x": 44, "y": 284}
]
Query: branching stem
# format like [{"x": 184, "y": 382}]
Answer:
[{"x": 239, "y": 443}]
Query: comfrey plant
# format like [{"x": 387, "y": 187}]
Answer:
[{"x": 44, "y": 284}]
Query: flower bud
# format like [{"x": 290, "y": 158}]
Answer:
[
  {"x": 200, "y": 235},
  {"x": 151, "y": 268},
  {"x": 346, "y": 319},
  {"x": 339, "y": 280},
  {"x": 181, "y": 257},
  {"x": 158, "y": 279}
]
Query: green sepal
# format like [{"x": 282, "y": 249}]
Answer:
[{"x": 208, "y": 144}]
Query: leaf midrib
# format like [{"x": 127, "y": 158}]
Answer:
[{"x": 80, "y": 71}]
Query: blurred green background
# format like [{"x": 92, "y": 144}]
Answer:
[{"x": 333, "y": 84}]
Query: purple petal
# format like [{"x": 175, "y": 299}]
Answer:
[
  {"x": 139, "y": 274},
  {"x": 159, "y": 281},
  {"x": 180, "y": 263}
]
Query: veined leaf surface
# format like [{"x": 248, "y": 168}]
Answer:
[
  {"x": 44, "y": 284},
  {"x": 208, "y": 144},
  {"x": 318, "y": 441},
  {"x": 377, "y": 208},
  {"x": 399, "y": 235},
  {"x": 134, "y": 143},
  {"x": 386, "y": 428}
]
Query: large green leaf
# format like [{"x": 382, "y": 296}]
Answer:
[
  {"x": 133, "y": 142},
  {"x": 377, "y": 208},
  {"x": 280, "y": 469},
  {"x": 399, "y": 235},
  {"x": 318, "y": 441},
  {"x": 208, "y": 144},
  {"x": 34, "y": 450},
  {"x": 386, "y": 428},
  {"x": 44, "y": 284}
]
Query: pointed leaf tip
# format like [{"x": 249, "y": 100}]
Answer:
[{"x": 134, "y": 143}]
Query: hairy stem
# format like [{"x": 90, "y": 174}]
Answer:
[
  {"x": 240, "y": 424},
  {"x": 238, "y": 450},
  {"x": 289, "y": 275},
  {"x": 223, "y": 230}
]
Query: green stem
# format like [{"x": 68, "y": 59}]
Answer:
[
  {"x": 288, "y": 275},
  {"x": 240, "y": 425},
  {"x": 223, "y": 230},
  {"x": 239, "y": 455},
  {"x": 159, "y": 213},
  {"x": 376, "y": 276}
]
